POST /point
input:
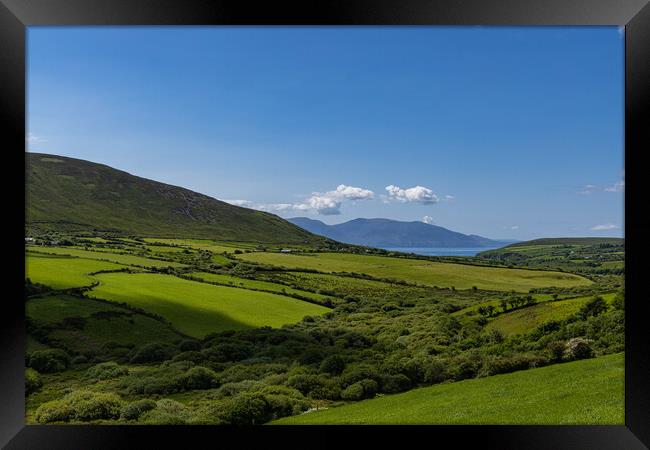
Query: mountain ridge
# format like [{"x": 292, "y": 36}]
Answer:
[{"x": 71, "y": 194}]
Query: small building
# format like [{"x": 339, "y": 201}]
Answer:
[
  {"x": 286, "y": 250},
  {"x": 29, "y": 240}
]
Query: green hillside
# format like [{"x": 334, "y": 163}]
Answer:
[
  {"x": 589, "y": 255},
  {"x": 569, "y": 241},
  {"x": 582, "y": 392},
  {"x": 70, "y": 194}
]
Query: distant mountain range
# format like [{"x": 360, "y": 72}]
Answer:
[{"x": 386, "y": 233}]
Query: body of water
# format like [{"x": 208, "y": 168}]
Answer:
[{"x": 442, "y": 251}]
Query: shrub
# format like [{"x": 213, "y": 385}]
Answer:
[
  {"x": 305, "y": 383},
  {"x": 49, "y": 361},
  {"x": 246, "y": 409},
  {"x": 619, "y": 301},
  {"x": 193, "y": 356},
  {"x": 333, "y": 364},
  {"x": 80, "y": 359},
  {"x": 505, "y": 364},
  {"x": 73, "y": 323},
  {"x": 327, "y": 389},
  {"x": 465, "y": 365},
  {"x": 80, "y": 406},
  {"x": 167, "y": 412},
  {"x": 354, "y": 374},
  {"x": 578, "y": 348},
  {"x": 312, "y": 355},
  {"x": 229, "y": 351},
  {"x": 556, "y": 350},
  {"x": 107, "y": 371},
  {"x": 188, "y": 345},
  {"x": 593, "y": 307},
  {"x": 395, "y": 383},
  {"x": 152, "y": 352},
  {"x": 135, "y": 409},
  {"x": 199, "y": 378},
  {"x": 362, "y": 389},
  {"x": 33, "y": 381}
]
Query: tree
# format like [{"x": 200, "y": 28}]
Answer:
[
  {"x": 593, "y": 307},
  {"x": 578, "y": 348},
  {"x": 619, "y": 300}
]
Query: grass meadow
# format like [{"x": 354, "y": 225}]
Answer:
[
  {"x": 61, "y": 272},
  {"x": 197, "y": 309},
  {"x": 129, "y": 260},
  {"x": 255, "y": 284},
  {"x": 527, "y": 319},
  {"x": 581, "y": 392},
  {"x": 461, "y": 276},
  {"x": 103, "y": 323}
]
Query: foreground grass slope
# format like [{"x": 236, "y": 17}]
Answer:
[
  {"x": 461, "y": 276},
  {"x": 197, "y": 309},
  {"x": 72, "y": 194},
  {"x": 582, "y": 392}
]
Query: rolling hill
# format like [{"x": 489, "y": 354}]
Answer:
[
  {"x": 70, "y": 194},
  {"x": 392, "y": 233}
]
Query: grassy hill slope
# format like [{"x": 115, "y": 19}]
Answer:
[
  {"x": 581, "y": 392},
  {"x": 569, "y": 241},
  {"x": 71, "y": 194}
]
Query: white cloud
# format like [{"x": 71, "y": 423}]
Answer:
[
  {"x": 351, "y": 193},
  {"x": 604, "y": 227},
  {"x": 419, "y": 194},
  {"x": 449, "y": 198},
  {"x": 588, "y": 189},
  {"x": 33, "y": 139},
  {"x": 428, "y": 219},
  {"x": 327, "y": 203},
  {"x": 617, "y": 187},
  {"x": 514, "y": 227},
  {"x": 245, "y": 203}
]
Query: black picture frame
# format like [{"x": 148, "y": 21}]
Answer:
[{"x": 634, "y": 15}]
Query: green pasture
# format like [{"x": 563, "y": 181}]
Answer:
[
  {"x": 196, "y": 308},
  {"x": 255, "y": 284},
  {"x": 461, "y": 276},
  {"x": 203, "y": 244},
  {"x": 585, "y": 392},
  {"x": 60, "y": 272},
  {"x": 129, "y": 260},
  {"x": 341, "y": 286},
  {"x": 526, "y": 319},
  {"x": 104, "y": 323}
]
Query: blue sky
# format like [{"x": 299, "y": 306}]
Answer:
[{"x": 504, "y": 132}]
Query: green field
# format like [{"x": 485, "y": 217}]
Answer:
[
  {"x": 104, "y": 323},
  {"x": 255, "y": 284},
  {"x": 526, "y": 319},
  {"x": 129, "y": 260},
  {"x": 461, "y": 276},
  {"x": 203, "y": 244},
  {"x": 582, "y": 392},
  {"x": 341, "y": 286},
  {"x": 59, "y": 272},
  {"x": 197, "y": 309}
]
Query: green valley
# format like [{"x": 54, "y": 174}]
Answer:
[{"x": 152, "y": 304}]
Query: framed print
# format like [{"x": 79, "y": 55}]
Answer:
[{"x": 266, "y": 221}]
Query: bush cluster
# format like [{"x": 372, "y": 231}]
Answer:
[{"x": 83, "y": 406}]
